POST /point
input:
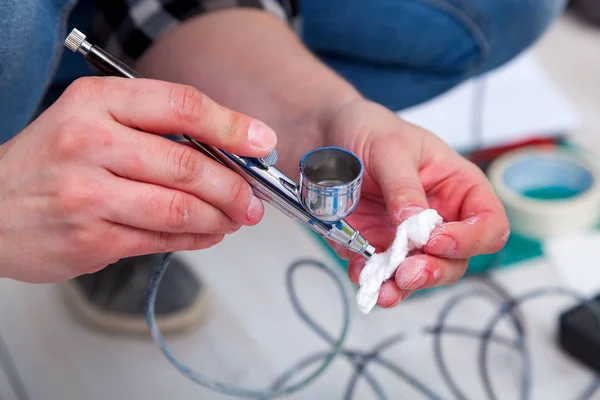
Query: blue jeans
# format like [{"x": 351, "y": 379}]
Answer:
[
  {"x": 396, "y": 52},
  {"x": 403, "y": 52}
]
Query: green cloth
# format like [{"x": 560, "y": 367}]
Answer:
[{"x": 517, "y": 249}]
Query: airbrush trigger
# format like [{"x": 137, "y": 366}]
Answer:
[{"x": 270, "y": 159}]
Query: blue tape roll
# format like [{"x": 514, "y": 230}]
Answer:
[{"x": 548, "y": 192}]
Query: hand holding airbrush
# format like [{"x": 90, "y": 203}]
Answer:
[{"x": 330, "y": 182}]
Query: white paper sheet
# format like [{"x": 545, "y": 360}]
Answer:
[
  {"x": 577, "y": 260},
  {"x": 520, "y": 101}
]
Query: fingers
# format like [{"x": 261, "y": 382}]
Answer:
[
  {"x": 422, "y": 271},
  {"x": 390, "y": 294},
  {"x": 157, "y": 160},
  {"x": 485, "y": 229},
  {"x": 168, "y": 108},
  {"x": 355, "y": 266},
  {"x": 418, "y": 272},
  {"x": 158, "y": 209},
  {"x": 397, "y": 174},
  {"x": 131, "y": 242}
]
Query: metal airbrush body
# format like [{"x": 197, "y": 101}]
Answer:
[{"x": 330, "y": 177}]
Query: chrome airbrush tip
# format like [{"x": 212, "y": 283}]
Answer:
[
  {"x": 368, "y": 252},
  {"x": 74, "y": 40}
]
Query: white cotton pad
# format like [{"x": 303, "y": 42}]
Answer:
[{"x": 412, "y": 234}]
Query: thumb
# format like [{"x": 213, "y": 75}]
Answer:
[{"x": 397, "y": 174}]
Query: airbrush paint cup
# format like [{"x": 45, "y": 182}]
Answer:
[{"x": 330, "y": 182}]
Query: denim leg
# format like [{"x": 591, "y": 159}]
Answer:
[
  {"x": 403, "y": 52},
  {"x": 31, "y": 33}
]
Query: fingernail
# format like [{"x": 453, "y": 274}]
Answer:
[
  {"x": 261, "y": 136},
  {"x": 441, "y": 245},
  {"x": 408, "y": 212},
  {"x": 216, "y": 239},
  {"x": 405, "y": 295},
  {"x": 234, "y": 228},
  {"x": 255, "y": 209},
  {"x": 412, "y": 275}
]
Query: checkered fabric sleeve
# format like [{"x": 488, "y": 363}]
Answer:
[{"x": 127, "y": 28}]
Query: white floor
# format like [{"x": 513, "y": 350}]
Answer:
[{"x": 253, "y": 335}]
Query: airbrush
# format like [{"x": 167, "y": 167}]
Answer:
[{"x": 330, "y": 177}]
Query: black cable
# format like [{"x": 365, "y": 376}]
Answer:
[
  {"x": 590, "y": 390},
  {"x": 437, "y": 341},
  {"x": 12, "y": 373},
  {"x": 503, "y": 311},
  {"x": 514, "y": 315},
  {"x": 231, "y": 390},
  {"x": 478, "y": 107},
  {"x": 360, "y": 360}
]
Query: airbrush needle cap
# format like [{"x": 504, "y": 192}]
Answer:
[{"x": 74, "y": 40}]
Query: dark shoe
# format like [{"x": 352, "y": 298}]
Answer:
[
  {"x": 588, "y": 10},
  {"x": 113, "y": 299}
]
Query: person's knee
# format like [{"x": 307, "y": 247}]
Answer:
[
  {"x": 401, "y": 53},
  {"x": 447, "y": 37},
  {"x": 511, "y": 26},
  {"x": 436, "y": 36}
]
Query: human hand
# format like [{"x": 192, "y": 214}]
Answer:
[
  {"x": 408, "y": 169},
  {"x": 91, "y": 180}
]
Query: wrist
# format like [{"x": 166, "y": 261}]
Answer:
[
  {"x": 330, "y": 116},
  {"x": 310, "y": 128},
  {"x": 344, "y": 124}
]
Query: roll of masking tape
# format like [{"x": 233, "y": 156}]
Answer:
[{"x": 548, "y": 192}]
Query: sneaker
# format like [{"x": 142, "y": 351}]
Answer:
[
  {"x": 588, "y": 10},
  {"x": 113, "y": 299}
]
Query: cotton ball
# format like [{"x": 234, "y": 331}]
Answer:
[
  {"x": 411, "y": 234},
  {"x": 420, "y": 226}
]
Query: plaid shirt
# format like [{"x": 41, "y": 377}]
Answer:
[{"x": 127, "y": 28}]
